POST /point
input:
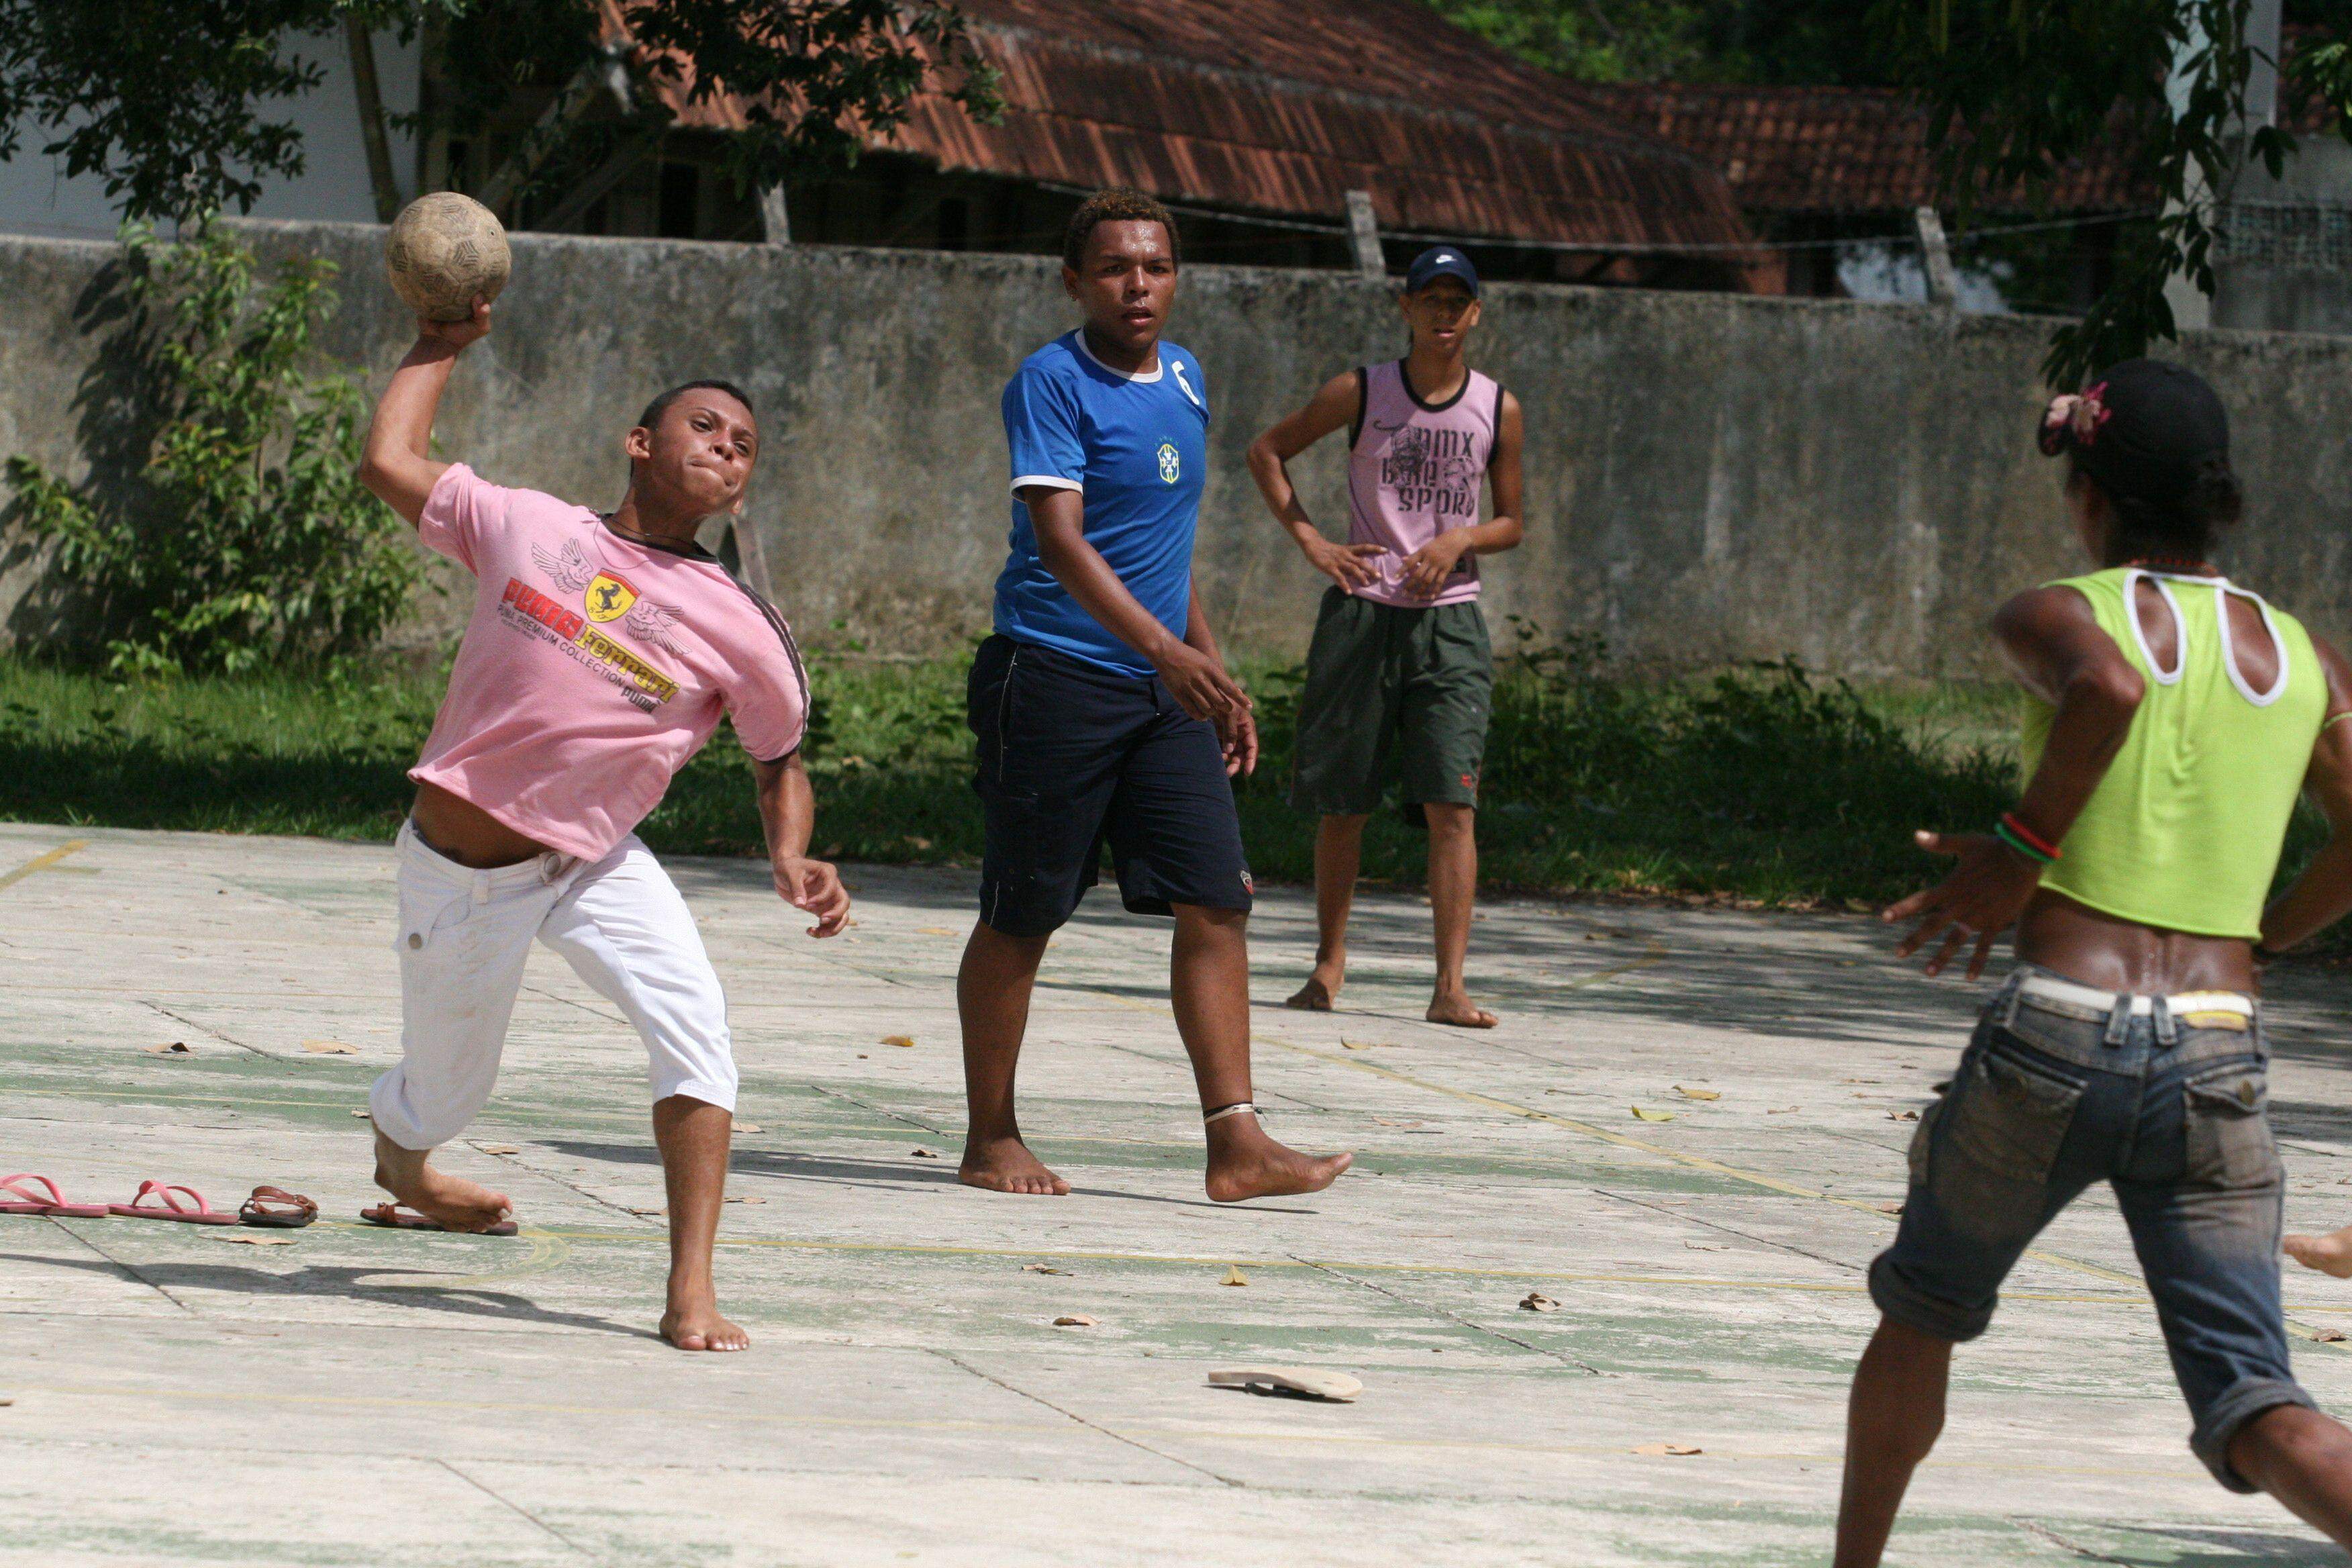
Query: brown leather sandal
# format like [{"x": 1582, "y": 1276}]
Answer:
[
  {"x": 398, "y": 1218},
  {"x": 275, "y": 1208}
]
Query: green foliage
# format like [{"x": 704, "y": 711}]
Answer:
[
  {"x": 2018, "y": 87},
  {"x": 1682, "y": 40},
  {"x": 173, "y": 102},
  {"x": 252, "y": 541}
]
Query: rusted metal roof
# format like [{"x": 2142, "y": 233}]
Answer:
[
  {"x": 1821, "y": 150},
  {"x": 1280, "y": 107}
]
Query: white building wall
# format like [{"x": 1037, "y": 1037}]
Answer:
[{"x": 36, "y": 198}]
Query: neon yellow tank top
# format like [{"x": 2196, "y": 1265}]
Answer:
[{"x": 2184, "y": 831}]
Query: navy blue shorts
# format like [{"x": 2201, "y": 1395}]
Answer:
[{"x": 1072, "y": 756}]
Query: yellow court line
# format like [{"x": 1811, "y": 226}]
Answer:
[
  {"x": 1699, "y": 1162},
  {"x": 42, "y": 862}
]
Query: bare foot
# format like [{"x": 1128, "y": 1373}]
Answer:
[
  {"x": 694, "y": 1325},
  {"x": 456, "y": 1203},
  {"x": 1455, "y": 1007},
  {"x": 1321, "y": 990},
  {"x": 1244, "y": 1165},
  {"x": 1005, "y": 1165},
  {"x": 2330, "y": 1254}
]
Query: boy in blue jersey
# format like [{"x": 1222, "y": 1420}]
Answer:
[{"x": 1103, "y": 712}]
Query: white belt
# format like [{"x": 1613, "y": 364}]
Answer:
[{"x": 2050, "y": 988}]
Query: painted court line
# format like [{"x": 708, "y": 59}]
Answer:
[{"x": 42, "y": 862}]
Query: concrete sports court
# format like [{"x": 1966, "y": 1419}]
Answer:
[{"x": 370, "y": 1397}]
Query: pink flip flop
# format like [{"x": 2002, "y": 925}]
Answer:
[
  {"x": 170, "y": 1207},
  {"x": 54, "y": 1204}
]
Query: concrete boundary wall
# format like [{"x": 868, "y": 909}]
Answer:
[{"x": 1711, "y": 477}]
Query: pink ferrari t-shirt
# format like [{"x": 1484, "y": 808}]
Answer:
[{"x": 593, "y": 666}]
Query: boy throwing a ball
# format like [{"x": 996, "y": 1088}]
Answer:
[{"x": 600, "y": 653}]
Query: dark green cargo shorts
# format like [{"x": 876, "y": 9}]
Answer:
[{"x": 1393, "y": 692}]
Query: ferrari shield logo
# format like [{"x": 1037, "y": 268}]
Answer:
[{"x": 610, "y": 596}]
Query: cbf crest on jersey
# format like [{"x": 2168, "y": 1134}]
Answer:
[{"x": 1169, "y": 468}]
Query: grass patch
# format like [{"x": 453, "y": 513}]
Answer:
[{"x": 1761, "y": 785}]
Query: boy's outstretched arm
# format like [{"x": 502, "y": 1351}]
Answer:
[
  {"x": 2323, "y": 893},
  {"x": 397, "y": 464},
  {"x": 1332, "y": 408},
  {"x": 788, "y": 815},
  {"x": 1427, "y": 568},
  {"x": 2055, "y": 647}
]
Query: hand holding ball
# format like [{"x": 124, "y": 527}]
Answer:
[{"x": 444, "y": 251}]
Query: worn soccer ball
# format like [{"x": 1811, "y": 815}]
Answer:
[{"x": 445, "y": 249}]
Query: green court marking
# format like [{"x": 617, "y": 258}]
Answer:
[
  {"x": 42, "y": 862},
  {"x": 1700, "y": 1162},
  {"x": 1231, "y": 1434}
]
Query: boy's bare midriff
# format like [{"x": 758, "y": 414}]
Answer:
[
  {"x": 2081, "y": 944},
  {"x": 458, "y": 828}
]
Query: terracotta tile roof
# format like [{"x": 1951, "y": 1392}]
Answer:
[
  {"x": 1282, "y": 106},
  {"x": 1831, "y": 149}
]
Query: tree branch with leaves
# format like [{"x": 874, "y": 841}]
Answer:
[{"x": 2018, "y": 88}]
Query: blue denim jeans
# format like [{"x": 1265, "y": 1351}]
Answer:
[{"x": 2170, "y": 1112}]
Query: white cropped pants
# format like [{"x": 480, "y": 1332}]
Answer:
[{"x": 463, "y": 935}]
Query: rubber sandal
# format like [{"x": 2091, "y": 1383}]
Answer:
[
  {"x": 169, "y": 1207},
  {"x": 1292, "y": 1382},
  {"x": 29, "y": 1202},
  {"x": 393, "y": 1216},
  {"x": 275, "y": 1208}
]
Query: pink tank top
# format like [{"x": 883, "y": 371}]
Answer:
[{"x": 1414, "y": 471}]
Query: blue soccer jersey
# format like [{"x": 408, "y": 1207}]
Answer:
[{"x": 1136, "y": 447}]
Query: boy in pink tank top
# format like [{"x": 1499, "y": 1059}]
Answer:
[
  {"x": 600, "y": 654},
  {"x": 1399, "y": 675}
]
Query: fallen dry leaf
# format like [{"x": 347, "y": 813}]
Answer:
[
  {"x": 2328, "y": 1336},
  {"x": 1234, "y": 1275},
  {"x": 920, "y": 1152},
  {"x": 936, "y": 931},
  {"x": 747, "y": 1200},
  {"x": 1779, "y": 1109},
  {"x": 1652, "y": 1115},
  {"x": 1678, "y": 1450},
  {"x": 1704, "y": 1246},
  {"x": 8, "y": 1399},
  {"x": 749, "y": 1127},
  {"x": 360, "y": 1113},
  {"x": 1043, "y": 1268},
  {"x": 497, "y": 1148},
  {"x": 261, "y": 1240},
  {"x": 330, "y": 1048},
  {"x": 650, "y": 1214},
  {"x": 1697, "y": 1093},
  {"x": 1073, "y": 1321},
  {"x": 1393, "y": 1121},
  {"x": 1902, "y": 1116},
  {"x": 1537, "y": 1301},
  {"x": 1889, "y": 1208},
  {"x": 902, "y": 1041},
  {"x": 176, "y": 1048}
]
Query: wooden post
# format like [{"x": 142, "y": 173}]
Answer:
[
  {"x": 1364, "y": 229},
  {"x": 1936, "y": 256},
  {"x": 371, "y": 101}
]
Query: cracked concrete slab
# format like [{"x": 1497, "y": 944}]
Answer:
[{"x": 362, "y": 1396}]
